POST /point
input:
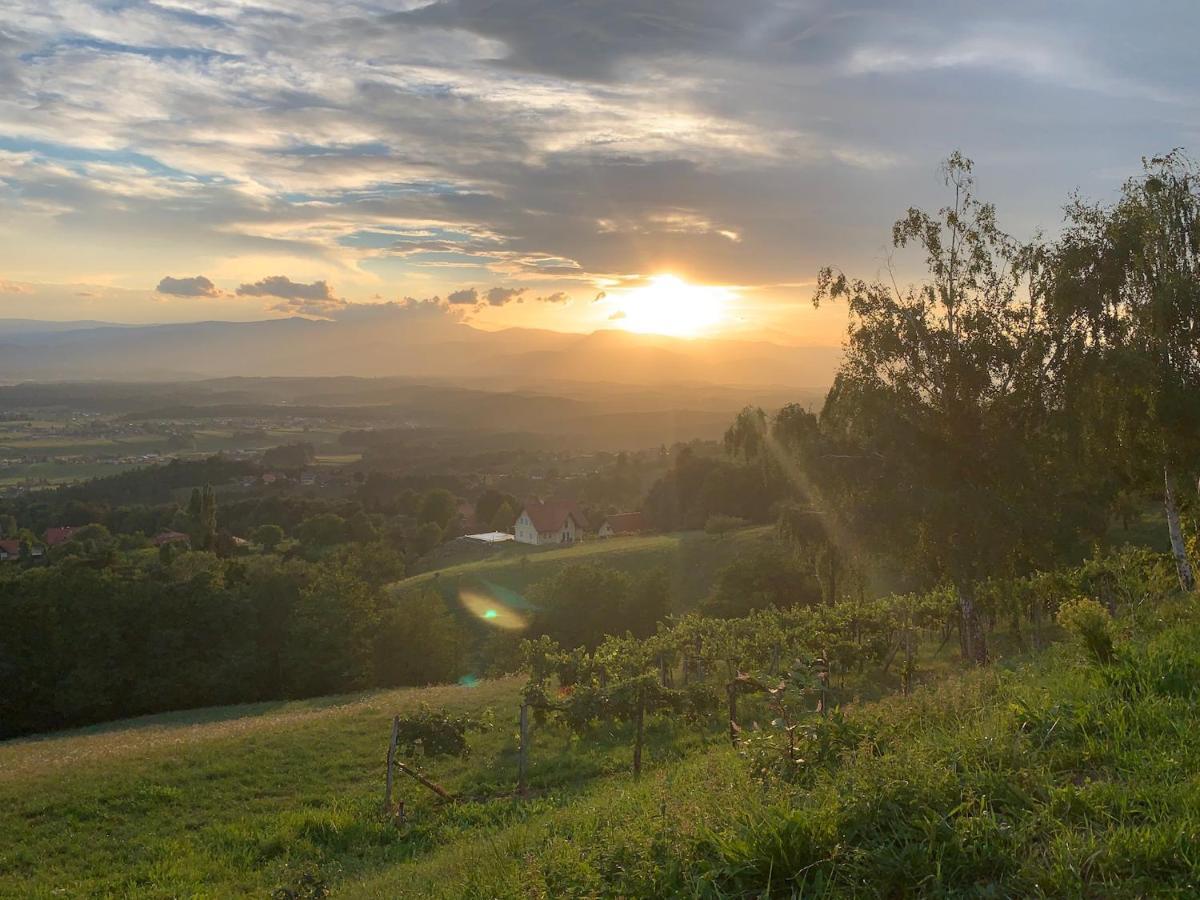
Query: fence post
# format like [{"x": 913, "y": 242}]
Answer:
[
  {"x": 391, "y": 761},
  {"x": 731, "y": 689},
  {"x": 523, "y": 752},
  {"x": 637, "y": 747}
]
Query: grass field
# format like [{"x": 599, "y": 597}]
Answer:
[
  {"x": 691, "y": 559},
  {"x": 1039, "y": 777}
]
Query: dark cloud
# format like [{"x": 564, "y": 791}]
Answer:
[
  {"x": 590, "y": 40},
  {"x": 556, "y": 297},
  {"x": 285, "y": 289},
  {"x": 499, "y": 296},
  {"x": 464, "y": 297},
  {"x": 196, "y": 286}
]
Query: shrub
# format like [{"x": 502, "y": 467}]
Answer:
[
  {"x": 720, "y": 524},
  {"x": 1090, "y": 623}
]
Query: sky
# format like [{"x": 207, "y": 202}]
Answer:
[{"x": 561, "y": 164}]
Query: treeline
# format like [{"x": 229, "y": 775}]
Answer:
[
  {"x": 83, "y": 644},
  {"x": 138, "y": 500}
]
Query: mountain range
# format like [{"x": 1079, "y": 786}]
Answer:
[{"x": 397, "y": 341}]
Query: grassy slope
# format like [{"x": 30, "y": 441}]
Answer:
[
  {"x": 1047, "y": 777},
  {"x": 691, "y": 558}
]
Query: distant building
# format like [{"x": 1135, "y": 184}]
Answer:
[
  {"x": 171, "y": 537},
  {"x": 552, "y": 522},
  {"x": 55, "y": 536},
  {"x": 10, "y": 550},
  {"x": 623, "y": 523}
]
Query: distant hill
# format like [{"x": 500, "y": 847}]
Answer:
[{"x": 396, "y": 342}]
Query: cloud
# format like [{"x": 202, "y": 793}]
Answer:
[
  {"x": 13, "y": 287},
  {"x": 499, "y": 296},
  {"x": 507, "y": 141},
  {"x": 315, "y": 309},
  {"x": 195, "y": 286},
  {"x": 285, "y": 289},
  {"x": 315, "y": 300},
  {"x": 619, "y": 314},
  {"x": 464, "y": 297},
  {"x": 556, "y": 297}
]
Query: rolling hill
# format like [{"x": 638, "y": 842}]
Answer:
[
  {"x": 392, "y": 341},
  {"x": 1044, "y": 776}
]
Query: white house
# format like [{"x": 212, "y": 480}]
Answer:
[{"x": 552, "y": 522}]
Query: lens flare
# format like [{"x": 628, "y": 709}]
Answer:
[{"x": 492, "y": 610}]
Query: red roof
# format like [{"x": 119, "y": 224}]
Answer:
[
  {"x": 552, "y": 515},
  {"x": 55, "y": 536},
  {"x": 11, "y": 547},
  {"x": 626, "y": 523}
]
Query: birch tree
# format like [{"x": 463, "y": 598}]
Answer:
[
  {"x": 1132, "y": 269},
  {"x": 948, "y": 399}
]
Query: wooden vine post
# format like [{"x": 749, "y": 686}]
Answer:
[
  {"x": 731, "y": 690},
  {"x": 523, "y": 752},
  {"x": 391, "y": 762},
  {"x": 641, "y": 719}
]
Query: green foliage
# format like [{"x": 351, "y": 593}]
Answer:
[
  {"x": 419, "y": 641},
  {"x": 331, "y": 634},
  {"x": 720, "y": 524},
  {"x": 290, "y": 456},
  {"x": 767, "y": 576},
  {"x": 438, "y": 507},
  {"x": 1089, "y": 623},
  {"x": 268, "y": 536},
  {"x": 581, "y": 604},
  {"x": 322, "y": 530},
  {"x": 437, "y": 732}
]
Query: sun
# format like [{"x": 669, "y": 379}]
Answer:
[{"x": 669, "y": 305}]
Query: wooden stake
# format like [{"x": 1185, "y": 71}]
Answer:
[
  {"x": 637, "y": 747},
  {"x": 391, "y": 759},
  {"x": 432, "y": 785},
  {"x": 523, "y": 751},
  {"x": 731, "y": 689}
]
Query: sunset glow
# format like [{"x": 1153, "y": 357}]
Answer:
[{"x": 669, "y": 305}]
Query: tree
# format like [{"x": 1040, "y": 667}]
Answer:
[
  {"x": 438, "y": 506},
  {"x": 360, "y": 528},
  {"x": 1132, "y": 271},
  {"x": 290, "y": 456},
  {"x": 768, "y": 576},
  {"x": 947, "y": 411},
  {"x": 580, "y": 604},
  {"x": 322, "y": 530},
  {"x": 427, "y": 537},
  {"x": 490, "y": 503},
  {"x": 505, "y": 518},
  {"x": 331, "y": 633},
  {"x": 420, "y": 642},
  {"x": 267, "y": 536}
]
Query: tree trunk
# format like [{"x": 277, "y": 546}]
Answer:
[
  {"x": 974, "y": 642},
  {"x": 1187, "y": 580}
]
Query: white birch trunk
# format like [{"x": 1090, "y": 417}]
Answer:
[{"x": 1187, "y": 579}]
